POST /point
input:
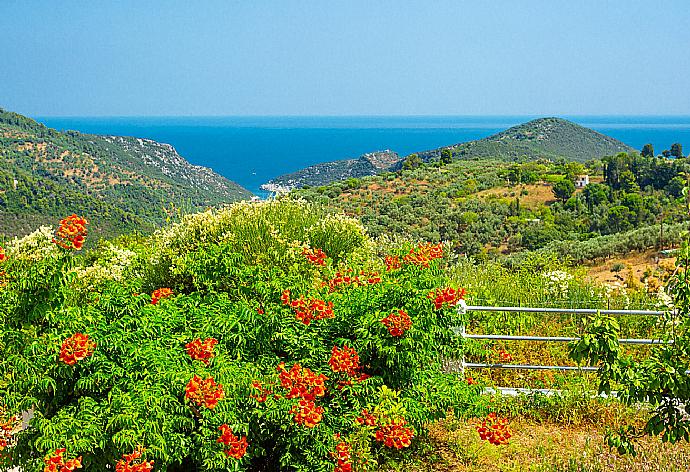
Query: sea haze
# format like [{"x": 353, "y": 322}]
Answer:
[{"x": 253, "y": 150}]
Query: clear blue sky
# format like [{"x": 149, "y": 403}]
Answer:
[{"x": 328, "y": 57}]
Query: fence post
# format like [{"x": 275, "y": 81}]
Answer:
[{"x": 462, "y": 311}]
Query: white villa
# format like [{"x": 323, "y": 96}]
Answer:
[{"x": 581, "y": 181}]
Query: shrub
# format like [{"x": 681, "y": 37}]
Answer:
[{"x": 221, "y": 345}]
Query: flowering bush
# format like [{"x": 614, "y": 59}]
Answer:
[{"x": 258, "y": 362}]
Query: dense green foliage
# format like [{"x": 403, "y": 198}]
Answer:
[
  {"x": 484, "y": 206},
  {"x": 228, "y": 271},
  {"x": 125, "y": 183}
]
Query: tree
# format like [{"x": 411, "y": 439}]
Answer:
[
  {"x": 677, "y": 150},
  {"x": 412, "y": 161},
  {"x": 446, "y": 157},
  {"x": 563, "y": 189},
  {"x": 614, "y": 166},
  {"x": 573, "y": 169},
  {"x": 628, "y": 182},
  {"x": 648, "y": 150},
  {"x": 619, "y": 218},
  {"x": 675, "y": 186},
  {"x": 595, "y": 194}
]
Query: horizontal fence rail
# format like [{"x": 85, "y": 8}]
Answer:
[
  {"x": 580, "y": 311},
  {"x": 460, "y": 330},
  {"x": 479, "y": 365},
  {"x": 558, "y": 339}
]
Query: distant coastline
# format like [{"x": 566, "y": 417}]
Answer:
[{"x": 253, "y": 150}]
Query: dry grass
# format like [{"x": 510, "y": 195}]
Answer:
[
  {"x": 635, "y": 262},
  {"x": 537, "y": 194},
  {"x": 454, "y": 445}
]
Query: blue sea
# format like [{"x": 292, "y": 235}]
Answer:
[{"x": 252, "y": 150}]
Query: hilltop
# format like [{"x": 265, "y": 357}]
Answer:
[
  {"x": 543, "y": 138},
  {"x": 124, "y": 182}
]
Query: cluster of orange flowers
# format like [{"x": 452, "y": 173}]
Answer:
[
  {"x": 367, "y": 419},
  {"x": 128, "y": 464},
  {"x": 397, "y": 323},
  {"x": 395, "y": 434},
  {"x": 423, "y": 254},
  {"x": 263, "y": 394},
  {"x": 301, "y": 382},
  {"x": 342, "y": 455},
  {"x": 392, "y": 263},
  {"x": 204, "y": 392},
  {"x": 7, "y": 430},
  {"x": 447, "y": 295},
  {"x": 71, "y": 233},
  {"x": 345, "y": 360},
  {"x": 315, "y": 256},
  {"x": 201, "y": 350},
  {"x": 307, "y": 413},
  {"x": 159, "y": 294},
  {"x": 494, "y": 429},
  {"x": 56, "y": 462},
  {"x": 76, "y": 348},
  {"x": 346, "y": 278},
  {"x": 235, "y": 447},
  {"x": 307, "y": 310},
  {"x": 470, "y": 381}
]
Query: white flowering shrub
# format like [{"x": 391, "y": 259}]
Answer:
[{"x": 35, "y": 246}]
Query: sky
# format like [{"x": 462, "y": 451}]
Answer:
[{"x": 328, "y": 57}]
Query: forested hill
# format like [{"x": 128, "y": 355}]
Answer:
[
  {"x": 326, "y": 172},
  {"x": 120, "y": 183},
  {"x": 543, "y": 138}
]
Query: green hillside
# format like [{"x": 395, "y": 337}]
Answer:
[
  {"x": 124, "y": 182},
  {"x": 543, "y": 138},
  {"x": 493, "y": 206}
]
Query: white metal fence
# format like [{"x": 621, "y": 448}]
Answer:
[{"x": 464, "y": 309}]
